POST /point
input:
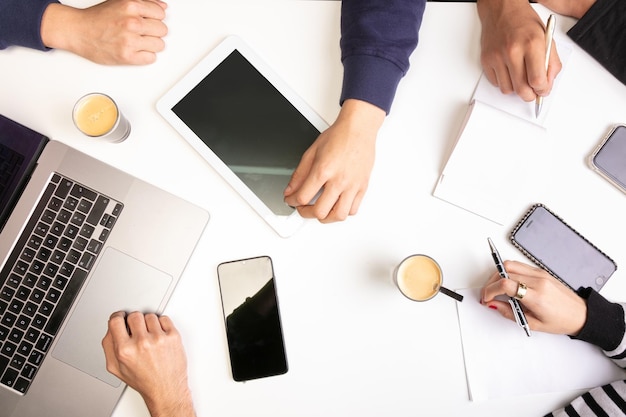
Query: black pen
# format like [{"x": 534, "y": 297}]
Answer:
[{"x": 520, "y": 317}]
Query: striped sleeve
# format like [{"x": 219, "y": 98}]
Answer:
[
  {"x": 605, "y": 327},
  {"x": 604, "y": 401}
]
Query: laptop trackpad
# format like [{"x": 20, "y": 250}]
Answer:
[{"x": 118, "y": 283}]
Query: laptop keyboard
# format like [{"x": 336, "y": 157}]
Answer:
[{"x": 45, "y": 272}]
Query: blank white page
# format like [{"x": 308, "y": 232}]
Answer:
[
  {"x": 498, "y": 161},
  {"x": 501, "y": 361}
]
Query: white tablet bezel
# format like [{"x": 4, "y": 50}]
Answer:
[{"x": 285, "y": 226}]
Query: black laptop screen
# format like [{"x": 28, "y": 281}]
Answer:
[{"x": 19, "y": 149}]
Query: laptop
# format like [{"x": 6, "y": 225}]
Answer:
[{"x": 79, "y": 240}]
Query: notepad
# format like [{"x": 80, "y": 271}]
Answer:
[
  {"x": 497, "y": 162},
  {"x": 501, "y": 156},
  {"x": 501, "y": 361}
]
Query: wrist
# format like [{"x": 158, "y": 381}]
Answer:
[
  {"x": 582, "y": 7},
  {"x": 492, "y": 8},
  {"x": 361, "y": 115},
  {"x": 56, "y": 26},
  {"x": 179, "y": 405}
]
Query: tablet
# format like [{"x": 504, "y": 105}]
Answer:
[{"x": 248, "y": 124}]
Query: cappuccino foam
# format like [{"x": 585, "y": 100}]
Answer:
[{"x": 419, "y": 277}]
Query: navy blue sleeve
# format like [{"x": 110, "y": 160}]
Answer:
[
  {"x": 377, "y": 39},
  {"x": 20, "y": 23},
  {"x": 601, "y": 32}
]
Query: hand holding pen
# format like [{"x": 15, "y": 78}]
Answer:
[
  {"x": 518, "y": 313},
  {"x": 549, "y": 305}
]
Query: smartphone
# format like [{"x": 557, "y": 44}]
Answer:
[
  {"x": 253, "y": 327},
  {"x": 609, "y": 157},
  {"x": 553, "y": 245}
]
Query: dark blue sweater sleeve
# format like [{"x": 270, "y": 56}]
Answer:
[
  {"x": 377, "y": 38},
  {"x": 20, "y": 23}
]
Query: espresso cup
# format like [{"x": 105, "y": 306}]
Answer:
[
  {"x": 98, "y": 116},
  {"x": 419, "y": 278}
]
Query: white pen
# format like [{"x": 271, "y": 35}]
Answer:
[
  {"x": 520, "y": 317},
  {"x": 549, "y": 35}
]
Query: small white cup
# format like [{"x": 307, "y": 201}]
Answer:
[
  {"x": 419, "y": 278},
  {"x": 98, "y": 116}
]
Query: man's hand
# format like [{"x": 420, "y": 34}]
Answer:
[
  {"x": 513, "y": 48},
  {"x": 340, "y": 161},
  {"x": 111, "y": 32},
  {"x": 146, "y": 352}
]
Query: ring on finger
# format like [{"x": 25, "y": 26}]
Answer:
[{"x": 521, "y": 290}]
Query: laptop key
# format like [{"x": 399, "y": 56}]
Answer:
[
  {"x": 66, "y": 300},
  {"x": 98, "y": 210},
  {"x": 9, "y": 377},
  {"x": 63, "y": 188},
  {"x": 21, "y": 385}
]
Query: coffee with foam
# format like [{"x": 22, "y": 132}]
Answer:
[
  {"x": 419, "y": 277},
  {"x": 97, "y": 115}
]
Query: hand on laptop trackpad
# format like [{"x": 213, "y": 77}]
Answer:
[{"x": 119, "y": 282}]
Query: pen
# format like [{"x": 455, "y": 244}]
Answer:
[
  {"x": 520, "y": 317},
  {"x": 549, "y": 36}
]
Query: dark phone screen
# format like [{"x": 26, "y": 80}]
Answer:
[
  {"x": 253, "y": 328},
  {"x": 250, "y": 126},
  {"x": 562, "y": 251},
  {"x": 611, "y": 158}
]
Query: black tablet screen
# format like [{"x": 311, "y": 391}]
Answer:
[{"x": 250, "y": 126}]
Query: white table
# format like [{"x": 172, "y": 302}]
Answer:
[{"x": 355, "y": 345}]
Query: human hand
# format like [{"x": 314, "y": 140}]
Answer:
[
  {"x": 513, "y": 49},
  {"x": 574, "y": 8},
  {"x": 340, "y": 160},
  {"x": 146, "y": 352},
  {"x": 550, "y": 306},
  {"x": 111, "y": 32}
]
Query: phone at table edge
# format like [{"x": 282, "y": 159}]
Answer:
[
  {"x": 254, "y": 332},
  {"x": 614, "y": 140},
  {"x": 572, "y": 251}
]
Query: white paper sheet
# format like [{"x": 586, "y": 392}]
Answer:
[
  {"x": 498, "y": 161},
  {"x": 501, "y": 361}
]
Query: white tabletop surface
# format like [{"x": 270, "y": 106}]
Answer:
[{"x": 355, "y": 345}]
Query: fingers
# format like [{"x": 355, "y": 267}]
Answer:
[
  {"x": 518, "y": 272},
  {"x": 117, "y": 326},
  {"x": 332, "y": 208},
  {"x": 302, "y": 186},
  {"x": 336, "y": 202},
  {"x": 153, "y": 9}
]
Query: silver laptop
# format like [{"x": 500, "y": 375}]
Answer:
[{"x": 78, "y": 240}]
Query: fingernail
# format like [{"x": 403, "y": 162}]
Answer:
[{"x": 493, "y": 307}]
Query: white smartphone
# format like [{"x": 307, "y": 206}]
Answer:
[
  {"x": 253, "y": 327},
  {"x": 609, "y": 157},
  {"x": 559, "y": 249}
]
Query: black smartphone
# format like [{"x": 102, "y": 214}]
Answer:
[
  {"x": 253, "y": 327},
  {"x": 609, "y": 157},
  {"x": 553, "y": 245}
]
